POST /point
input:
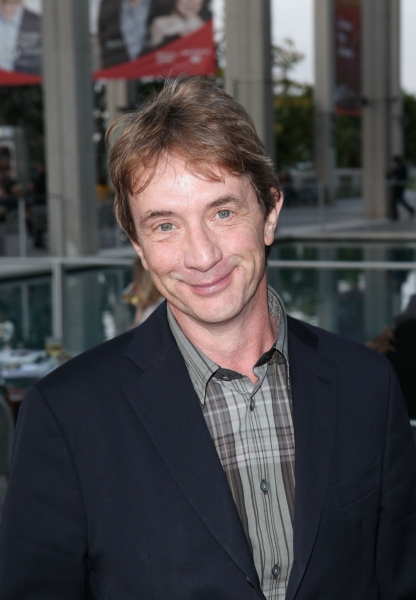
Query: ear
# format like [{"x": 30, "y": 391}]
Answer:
[
  {"x": 139, "y": 251},
  {"x": 272, "y": 218}
]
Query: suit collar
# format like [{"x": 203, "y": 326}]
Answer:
[
  {"x": 151, "y": 340},
  {"x": 315, "y": 403},
  {"x": 302, "y": 332}
]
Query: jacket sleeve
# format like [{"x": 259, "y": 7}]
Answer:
[
  {"x": 396, "y": 543},
  {"x": 43, "y": 540}
]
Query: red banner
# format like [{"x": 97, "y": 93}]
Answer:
[
  {"x": 15, "y": 78},
  {"x": 193, "y": 54},
  {"x": 130, "y": 39},
  {"x": 348, "y": 57}
]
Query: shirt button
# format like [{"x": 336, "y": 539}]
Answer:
[
  {"x": 276, "y": 571},
  {"x": 225, "y": 378},
  {"x": 264, "y": 486}
]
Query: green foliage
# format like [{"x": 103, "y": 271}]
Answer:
[
  {"x": 294, "y": 129},
  {"x": 23, "y": 106},
  {"x": 293, "y": 109},
  {"x": 409, "y": 110},
  {"x": 285, "y": 57},
  {"x": 348, "y": 141}
]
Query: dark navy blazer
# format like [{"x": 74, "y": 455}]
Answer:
[
  {"x": 117, "y": 492},
  {"x": 28, "y": 57}
]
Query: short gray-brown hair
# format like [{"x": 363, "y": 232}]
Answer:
[{"x": 193, "y": 119}]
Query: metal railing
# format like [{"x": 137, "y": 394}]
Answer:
[
  {"x": 56, "y": 267},
  {"x": 15, "y": 239},
  {"x": 281, "y": 273}
]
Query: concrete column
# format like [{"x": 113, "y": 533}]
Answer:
[
  {"x": 324, "y": 122},
  {"x": 382, "y": 110},
  {"x": 248, "y": 57},
  {"x": 68, "y": 116},
  {"x": 396, "y": 104},
  {"x": 120, "y": 95}
]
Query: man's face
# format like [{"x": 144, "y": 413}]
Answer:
[
  {"x": 189, "y": 8},
  {"x": 203, "y": 241},
  {"x": 9, "y": 7}
]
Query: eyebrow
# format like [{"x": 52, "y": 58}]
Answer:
[
  {"x": 227, "y": 199},
  {"x": 157, "y": 214}
]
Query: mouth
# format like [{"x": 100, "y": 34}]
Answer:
[{"x": 206, "y": 289}]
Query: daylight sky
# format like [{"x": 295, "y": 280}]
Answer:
[{"x": 293, "y": 19}]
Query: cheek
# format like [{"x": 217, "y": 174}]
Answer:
[
  {"x": 162, "y": 260},
  {"x": 248, "y": 240}
]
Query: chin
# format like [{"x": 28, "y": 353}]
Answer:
[{"x": 216, "y": 313}]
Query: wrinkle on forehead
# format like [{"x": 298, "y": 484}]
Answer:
[{"x": 204, "y": 171}]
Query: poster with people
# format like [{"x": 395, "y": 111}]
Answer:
[
  {"x": 20, "y": 42},
  {"x": 348, "y": 57},
  {"x": 145, "y": 38},
  {"x": 130, "y": 39}
]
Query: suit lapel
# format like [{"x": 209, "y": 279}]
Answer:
[
  {"x": 315, "y": 399},
  {"x": 168, "y": 407}
]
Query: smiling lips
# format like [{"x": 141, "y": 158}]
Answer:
[{"x": 206, "y": 289}]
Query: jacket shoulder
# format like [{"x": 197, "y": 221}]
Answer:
[
  {"x": 93, "y": 369},
  {"x": 102, "y": 371},
  {"x": 338, "y": 349}
]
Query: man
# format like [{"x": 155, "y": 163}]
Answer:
[
  {"x": 398, "y": 177},
  {"x": 221, "y": 450},
  {"x": 20, "y": 38},
  {"x": 122, "y": 30}
]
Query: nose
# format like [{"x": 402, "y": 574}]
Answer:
[{"x": 202, "y": 250}]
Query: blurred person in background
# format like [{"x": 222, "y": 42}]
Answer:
[
  {"x": 179, "y": 18},
  {"x": 8, "y": 200},
  {"x": 398, "y": 178},
  {"x": 20, "y": 38},
  {"x": 122, "y": 30},
  {"x": 36, "y": 206},
  {"x": 142, "y": 294}
]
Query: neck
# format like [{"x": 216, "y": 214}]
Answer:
[{"x": 239, "y": 343}]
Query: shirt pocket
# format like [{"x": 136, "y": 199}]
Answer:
[{"x": 357, "y": 487}]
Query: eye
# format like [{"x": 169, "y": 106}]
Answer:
[
  {"x": 166, "y": 227},
  {"x": 224, "y": 214}
]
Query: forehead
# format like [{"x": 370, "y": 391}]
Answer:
[{"x": 173, "y": 173}]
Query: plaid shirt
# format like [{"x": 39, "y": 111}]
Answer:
[{"x": 252, "y": 428}]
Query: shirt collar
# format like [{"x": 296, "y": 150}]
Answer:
[{"x": 201, "y": 368}]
